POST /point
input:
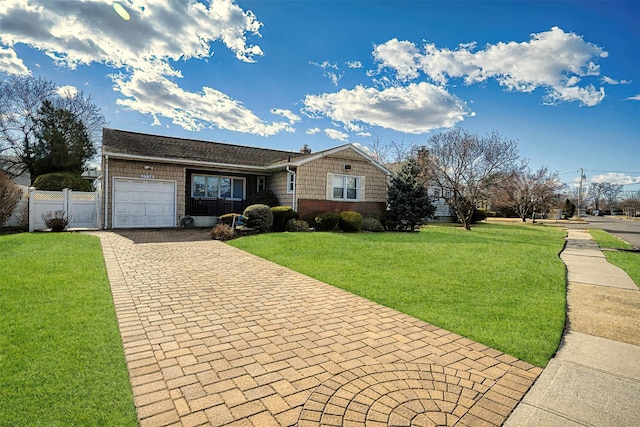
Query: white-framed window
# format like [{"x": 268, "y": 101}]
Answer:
[
  {"x": 261, "y": 184},
  {"x": 436, "y": 193},
  {"x": 217, "y": 187},
  {"x": 345, "y": 187},
  {"x": 291, "y": 182}
]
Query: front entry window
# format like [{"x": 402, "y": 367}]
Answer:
[{"x": 217, "y": 187}]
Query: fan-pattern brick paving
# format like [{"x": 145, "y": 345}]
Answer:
[{"x": 215, "y": 336}]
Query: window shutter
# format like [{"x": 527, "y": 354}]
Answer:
[
  {"x": 329, "y": 186},
  {"x": 361, "y": 190}
]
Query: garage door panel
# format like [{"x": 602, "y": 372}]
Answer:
[
  {"x": 136, "y": 185},
  {"x": 143, "y": 203}
]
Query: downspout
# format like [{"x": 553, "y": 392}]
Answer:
[
  {"x": 106, "y": 189},
  {"x": 295, "y": 184}
]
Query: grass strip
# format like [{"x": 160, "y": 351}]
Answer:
[
  {"x": 627, "y": 261},
  {"x": 61, "y": 357},
  {"x": 501, "y": 285}
]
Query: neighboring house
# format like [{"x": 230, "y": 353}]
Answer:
[
  {"x": 443, "y": 212},
  {"x": 152, "y": 181}
]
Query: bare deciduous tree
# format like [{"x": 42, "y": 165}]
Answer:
[
  {"x": 392, "y": 154},
  {"x": 466, "y": 166},
  {"x": 21, "y": 100},
  {"x": 604, "y": 192},
  {"x": 526, "y": 191},
  {"x": 631, "y": 203},
  {"x": 10, "y": 195}
]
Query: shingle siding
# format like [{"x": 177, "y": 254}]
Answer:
[{"x": 312, "y": 176}]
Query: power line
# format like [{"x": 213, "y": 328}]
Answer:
[{"x": 599, "y": 171}]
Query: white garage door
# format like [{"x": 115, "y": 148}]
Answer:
[{"x": 139, "y": 203}]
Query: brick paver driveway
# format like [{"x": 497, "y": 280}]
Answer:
[{"x": 215, "y": 336}]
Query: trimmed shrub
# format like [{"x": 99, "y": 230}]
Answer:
[
  {"x": 294, "y": 225},
  {"x": 327, "y": 221},
  {"x": 282, "y": 215},
  {"x": 222, "y": 232},
  {"x": 372, "y": 224},
  {"x": 350, "y": 222},
  {"x": 58, "y": 181},
  {"x": 10, "y": 195},
  {"x": 264, "y": 197},
  {"x": 260, "y": 217}
]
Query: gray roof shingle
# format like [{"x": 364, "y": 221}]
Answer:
[{"x": 155, "y": 146}]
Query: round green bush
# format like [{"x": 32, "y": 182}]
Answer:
[
  {"x": 58, "y": 181},
  {"x": 295, "y": 225},
  {"x": 372, "y": 224},
  {"x": 281, "y": 215},
  {"x": 264, "y": 197},
  {"x": 327, "y": 221},
  {"x": 350, "y": 222},
  {"x": 260, "y": 217}
]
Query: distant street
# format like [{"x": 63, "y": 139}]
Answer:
[{"x": 629, "y": 231}]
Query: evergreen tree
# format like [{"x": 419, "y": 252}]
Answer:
[
  {"x": 408, "y": 200},
  {"x": 63, "y": 144}
]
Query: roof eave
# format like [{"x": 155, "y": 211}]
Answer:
[
  {"x": 321, "y": 154},
  {"x": 185, "y": 162}
]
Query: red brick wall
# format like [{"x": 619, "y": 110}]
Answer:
[{"x": 308, "y": 208}]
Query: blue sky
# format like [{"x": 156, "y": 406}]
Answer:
[{"x": 560, "y": 77}]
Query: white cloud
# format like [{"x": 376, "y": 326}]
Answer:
[
  {"x": 633, "y": 98},
  {"x": 616, "y": 178},
  {"x": 335, "y": 77},
  {"x": 67, "y": 91},
  {"x": 401, "y": 56},
  {"x": 287, "y": 114},
  {"x": 354, "y": 64},
  {"x": 313, "y": 131},
  {"x": 141, "y": 51},
  {"x": 337, "y": 135},
  {"x": 158, "y": 96},
  {"x": 553, "y": 60},
  {"x": 325, "y": 64},
  {"x": 588, "y": 96},
  {"x": 416, "y": 108},
  {"x": 609, "y": 80},
  {"x": 365, "y": 149},
  {"x": 10, "y": 63}
]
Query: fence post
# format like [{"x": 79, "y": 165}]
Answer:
[
  {"x": 32, "y": 191},
  {"x": 68, "y": 206}
]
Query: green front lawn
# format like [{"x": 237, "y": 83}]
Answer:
[
  {"x": 61, "y": 358},
  {"x": 501, "y": 285},
  {"x": 628, "y": 261}
]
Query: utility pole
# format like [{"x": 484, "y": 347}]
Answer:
[{"x": 580, "y": 193}]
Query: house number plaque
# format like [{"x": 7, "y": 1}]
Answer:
[{"x": 147, "y": 176}]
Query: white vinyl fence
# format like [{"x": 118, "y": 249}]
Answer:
[{"x": 83, "y": 208}]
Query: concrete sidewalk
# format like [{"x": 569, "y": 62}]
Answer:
[{"x": 592, "y": 381}]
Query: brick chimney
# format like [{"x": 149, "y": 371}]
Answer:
[{"x": 305, "y": 149}]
